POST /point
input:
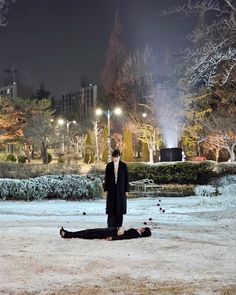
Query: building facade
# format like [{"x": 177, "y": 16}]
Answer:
[
  {"x": 79, "y": 105},
  {"x": 9, "y": 91}
]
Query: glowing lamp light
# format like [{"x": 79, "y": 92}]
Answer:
[
  {"x": 99, "y": 112},
  {"x": 61, "y": 122},
  {"x": 144, "y": 115},
  {"x": 118, "y": 111}
]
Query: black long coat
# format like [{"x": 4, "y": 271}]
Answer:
[{"x": 116, "y": 203}]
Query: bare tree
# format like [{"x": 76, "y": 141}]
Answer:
[
  {"x": 42, "y": 137},
  {"x": 4, "y": 7},
  {"x": 147, "y": 131},
  {"x": 38, "y": 113},
  {"x": 114, "y": 58},
  {"x": 211, "y": 121},
  {"x": 214, "y": 143},
  {"x": 117, "y": 141},
  {"x": 135, "y": 83},
  {"x": 96, "y": 133},
  {"x": 212, "y": 59},
  {"x": 151, "y": 136},
  {"x": 78, "y": 141},
  {"x": 222, "y": 130}
]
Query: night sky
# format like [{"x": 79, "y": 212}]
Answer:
[{"x": 57, "y": 41}]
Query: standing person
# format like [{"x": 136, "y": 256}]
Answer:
[{"x": 116, "y": 189}]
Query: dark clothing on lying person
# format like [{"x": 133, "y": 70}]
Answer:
[
  {"x": 128, "y": 234},
  {"x": 103, "y": 233},
  {"x": 95, "y": 233}
]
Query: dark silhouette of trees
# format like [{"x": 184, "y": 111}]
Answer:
[
  {"x": 114, "y": 58},
  {"x": 4, "y": 7}
]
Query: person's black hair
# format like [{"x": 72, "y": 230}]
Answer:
[
  {"x": 116, "y": 153},
  {"x": 147, "y": 232}
]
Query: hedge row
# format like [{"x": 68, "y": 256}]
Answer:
[
  {"x": 21, "y": 171},
  {"x": 162, "y": 173},
  {"x": 181, "y": 172},
  {"x": 67, "y": 187},
  {"x": 188, "y": 172}
]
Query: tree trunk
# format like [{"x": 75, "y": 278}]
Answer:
[
  {"x": 217, "y": 154},
  {"x": 198, "y": 149},
  {"x": 77, "y": 147},
  {"x": 151, "y": 161},
  {"x": 44, "y": 153},
  {"x": 10, "y": 148},
  {"x": 28, "y": 152},
  {"x": 232, "y": 154}
]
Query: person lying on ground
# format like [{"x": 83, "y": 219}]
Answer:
[{"x": 112, "y": 233}]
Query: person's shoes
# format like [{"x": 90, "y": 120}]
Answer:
[{"x": 62, "y": 232}]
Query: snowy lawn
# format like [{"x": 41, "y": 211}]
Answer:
[{"x": 192, "y": 249}]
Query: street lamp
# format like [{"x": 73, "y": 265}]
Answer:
[
  {"x": 61, "y": 122},
  {"x": 109, "y": 113},
  {"x": 144, "y": 115}
]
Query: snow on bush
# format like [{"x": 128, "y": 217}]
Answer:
[
  {"x": 226, "y": 168},
  {"x": 73, "y": 187},
  {"x": 206, "y": 191},
  {"x": 227, "y": 187},
  {"x": 222, "y": 192}
]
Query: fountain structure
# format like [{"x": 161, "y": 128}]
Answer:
[{"x": 171, "y": 154}]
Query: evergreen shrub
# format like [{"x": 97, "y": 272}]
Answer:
[
  {"x": 11, "y": 158},
  {"x": 49, "y": 158},
  {"x": 61, "y": 160},
  {"x": 226, "y": 168},
  {"x": 174, "y": 172},
  {"x": 21, "y": 159},
  {"x": 67, "y": 187},
  {"x": 98, "y": 170},
  {"x": 20, "y": 171},
  {"x": 2, "y": 157}
]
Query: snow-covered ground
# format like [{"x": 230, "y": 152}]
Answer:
[{"x": 192, "y": 249}]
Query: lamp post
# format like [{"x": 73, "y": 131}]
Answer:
[
  {"x": 68, "y": 123},
  {"x": 108, "y": 114},
  {"x": 95, "y": 128}
]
